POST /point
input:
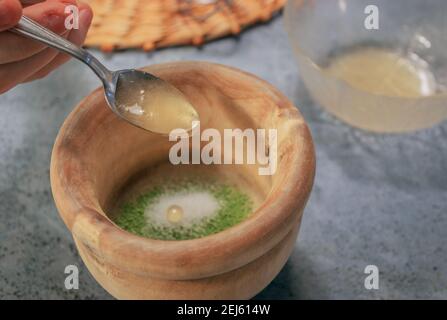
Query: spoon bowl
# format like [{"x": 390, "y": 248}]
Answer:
[{"x": 149, "y": 102}]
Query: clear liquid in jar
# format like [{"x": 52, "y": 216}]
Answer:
[{"x": 384, "y": 72}]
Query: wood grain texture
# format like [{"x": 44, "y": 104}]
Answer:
[{"x": 96, "y": 154}]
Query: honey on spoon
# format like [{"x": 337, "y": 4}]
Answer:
[
  {"x": 138, "y": 97},
  {"x": 152, "y": 104}
]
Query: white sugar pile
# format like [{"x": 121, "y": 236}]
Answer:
[{"x": 196, "y": 206}]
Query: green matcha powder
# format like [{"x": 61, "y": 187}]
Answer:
[{"x": 233, "y": 207}]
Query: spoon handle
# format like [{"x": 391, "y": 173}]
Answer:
[{"x": 31, "y": 29}]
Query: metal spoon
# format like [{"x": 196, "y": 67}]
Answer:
[{"x": 117, "y": 84}]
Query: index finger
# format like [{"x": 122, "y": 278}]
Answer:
[{"x": 50, "y": 14}]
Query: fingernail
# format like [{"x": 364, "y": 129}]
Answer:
[
  {"x": 70, "y": 2},
  {"x": 54, "y": 21}
]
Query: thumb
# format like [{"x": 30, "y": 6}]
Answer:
[{"x": 10, "y": 13}]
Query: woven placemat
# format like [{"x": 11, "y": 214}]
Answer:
[{"x": 151, "y": 24}]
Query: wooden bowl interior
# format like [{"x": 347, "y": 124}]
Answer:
[{"x": 123, "y": 159}]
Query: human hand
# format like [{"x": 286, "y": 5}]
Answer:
[{"x": 23, "y": 59}]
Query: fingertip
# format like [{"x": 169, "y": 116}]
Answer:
[
  {"x": 86, "y": 13},
  {"x": 85, "y": 18},
  {"x": 10, "y": 13},
  {"x": 50, "y": 14}
]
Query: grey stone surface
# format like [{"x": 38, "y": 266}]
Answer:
[{"x": 378, "y": 199}]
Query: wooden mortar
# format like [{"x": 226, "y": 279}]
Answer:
[{"x": 96, "y": 155}]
